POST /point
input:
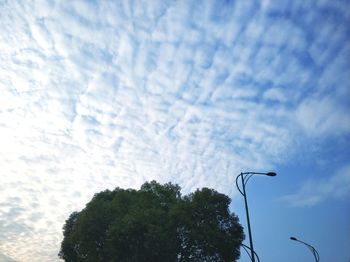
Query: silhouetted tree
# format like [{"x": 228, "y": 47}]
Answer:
[{"x": 154, "y": 224}]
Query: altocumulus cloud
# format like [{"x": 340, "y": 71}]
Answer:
[
  {"x": 99, "y": 94},
  {"x": 314, "y": 192}
]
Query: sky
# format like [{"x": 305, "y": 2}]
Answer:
[{"x": 102, "y": 94}]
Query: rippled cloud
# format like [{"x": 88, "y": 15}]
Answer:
[{"x": 101, "y": 94}]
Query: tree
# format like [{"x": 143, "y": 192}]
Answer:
[{"x": 154, "y": 224}]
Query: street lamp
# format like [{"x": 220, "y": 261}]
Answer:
[
  {"x": 312, "y": 249},
  {"x": 244, "y": 179}
]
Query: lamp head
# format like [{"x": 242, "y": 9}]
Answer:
[
  {"x": 293, "y": 238},
  {"x": 271, "y": 174}
]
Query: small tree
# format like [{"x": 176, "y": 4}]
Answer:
[{"x": 154, "y": 224}]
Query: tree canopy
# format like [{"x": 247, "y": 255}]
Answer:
[{"x": 154, "y": 224}]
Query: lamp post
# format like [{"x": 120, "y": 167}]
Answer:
[
  {"x": 312, "y": 249},
  {"x": 244, "y": 179}
]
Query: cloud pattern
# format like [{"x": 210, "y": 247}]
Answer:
[
  {"x": 313, "y": 192},
  {"x": 99, "y": 94}
]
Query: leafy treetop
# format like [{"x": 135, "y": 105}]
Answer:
[{"x": 154, "y": 224}]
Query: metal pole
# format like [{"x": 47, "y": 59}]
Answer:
[{"x": 248, "y": 221}]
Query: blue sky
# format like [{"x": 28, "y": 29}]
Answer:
[{"x": 100, "y": 94}]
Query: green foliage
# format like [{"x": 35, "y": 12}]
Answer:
[{"x": 153, "y": 224}]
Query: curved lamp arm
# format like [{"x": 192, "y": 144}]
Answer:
[
  {"x": 312, "y": 249},
  {"x": 246, "y": 248},
  {"x": 245, "y": 176}
]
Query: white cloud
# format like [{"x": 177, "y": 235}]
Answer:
[
  {"x": 4, "y": 258},
  {"x": 275, "y": 94},
  {"x": 323, "y": 116},
  {"x": 105, "y": 94},
  {"x": 313, "y": 192}
]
